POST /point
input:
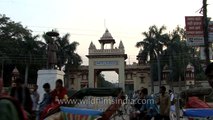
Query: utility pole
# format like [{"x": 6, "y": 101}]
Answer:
[
  {"x": 171, "y": 72},
  {"x": 206, "y": 42},
  {"x": 2, "y": 69}
]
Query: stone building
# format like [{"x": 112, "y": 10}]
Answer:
[{"x": 130, "y": 77}]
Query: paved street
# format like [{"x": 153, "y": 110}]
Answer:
[{"x": 125, "y": 114}]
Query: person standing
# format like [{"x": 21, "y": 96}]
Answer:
[
  {"x": 10, "y": 108},
  {"x": 172, "y": 100},
  {"x": 172, "y": 97},
  {"x": 35, "y": 99},
  {"x": 22, "y": 94},
  {"x": 164, "y": 101}
]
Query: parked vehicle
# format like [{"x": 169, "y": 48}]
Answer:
[
  {"x": 88, "y": 104},
  {"x": 196, "y": 106}
]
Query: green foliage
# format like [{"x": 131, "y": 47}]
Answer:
[
  {"x": 18, "y": 47},
  {"x": 102, "y": 82},
  {"x": 200, "y": 76},
  {"x": 153, "y": 42},
  {"x": 176, "y": 54}
]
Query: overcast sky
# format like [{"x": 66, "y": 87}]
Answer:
[{"x": 86, "y": 20}]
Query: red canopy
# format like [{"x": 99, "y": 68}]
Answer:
[{"x": 195, "y": 102}]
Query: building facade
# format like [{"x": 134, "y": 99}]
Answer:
[{"x": 130, "y": 77}]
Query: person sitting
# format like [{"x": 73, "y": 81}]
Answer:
[
  {"x": 59, "y": 93},
  {"x": 149, "y": 107},
  {"x": 57, "y": 96},
  {"x": 46, "y": 99},
  {"x": 138, "y": 102}
]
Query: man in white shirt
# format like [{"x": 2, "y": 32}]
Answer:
[{"x": 35, "y": 99}]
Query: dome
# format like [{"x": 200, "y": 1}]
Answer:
[{"x": 107, "y": 37}]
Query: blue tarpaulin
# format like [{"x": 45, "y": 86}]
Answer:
[
  {"x": 204, "y": 112},
  {"x": 80, "y": 111}
]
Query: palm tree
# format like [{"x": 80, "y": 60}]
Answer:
[
  {"x": 173, "y": 47},
  {"x": 153, "y": 46},
  {"x": 153, "y": 42},
  {"x": 66, "y": 53},
  {"x": 31, "y": 51},
  {"x": 179, "y": 54}
]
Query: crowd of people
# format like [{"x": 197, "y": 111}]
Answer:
[
  {"x": 147, "y": 106},
  {"x": 163, "y": 104},
  {"x": 23, "y": 103},
  {"x": 23, "y": 100}
]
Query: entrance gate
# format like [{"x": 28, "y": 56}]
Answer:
[
  {"x": 132, "y": 76},
  {"x": 106, "y": 59}
]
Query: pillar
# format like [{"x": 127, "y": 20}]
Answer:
[
  {"x": 91, "y": 78},
  {"x": 122, "y": 76},
  {"x": 48, "y": 76}
]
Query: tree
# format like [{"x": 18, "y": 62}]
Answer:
[
  {"x": 32, "y": 49},
  {"x": 153, "y": 46},
  {"x": 101, "y": 82},
  {"x": 18, "y": 47},
  {"x": 153, "y": 42},
  {"x": 11, "y": 34},
  {"x": 67, "y": 53},
  {"x": 178, "y": 55},
  {"x": 15, "y": 47},
  {"x": 174, "y": 45}
]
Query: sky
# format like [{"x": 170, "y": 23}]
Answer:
[{"x": 87, "y": 20}]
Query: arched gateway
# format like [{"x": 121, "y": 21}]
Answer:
[{"x": 130, "y": 77}]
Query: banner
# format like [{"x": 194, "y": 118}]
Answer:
[{"x": 194, "y": 30}]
